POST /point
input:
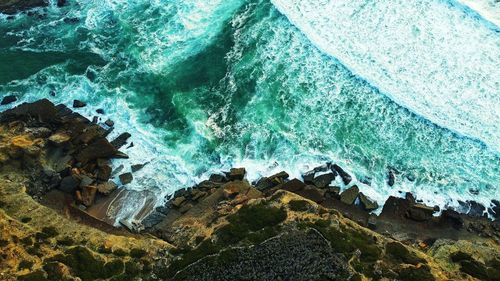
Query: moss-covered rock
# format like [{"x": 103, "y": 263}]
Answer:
[
  {"x": 421, "y": 273},
  {"x": 400, "y": 253},
  {"x": 38, "y": 275},
  {"x": 299, "y": 205}
]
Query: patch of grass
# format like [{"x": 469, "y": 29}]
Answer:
[
  {"x": 25, "y": 219},
  {"x": 299, "y": 205},
  {"x": 83, "y": 263}
]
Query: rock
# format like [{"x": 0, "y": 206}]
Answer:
[
  {"x": 8, "y": 99},
  {"x": 349, "y": 195},
  {"x": 367, "y": 203},
  {"x": 85, "y": 181},
  {"x": 312, "y": 193},
  {"x": 372, "y": 222},
  {"x": 104, "y": 172},
  {"x": 95, "y": 119},
  {"x": 61, "y": 3},
  {"x": 494, "y": 210},
  {"x": 391, "y": 178},
  {"x": 78, "y": 104},
  {"x": 420, "y": 212},
  {"x": 236, "y": 174},
  {"x": 186, "y": 207},
  {"x": 308, "y": 177},
  {"x": 69, "y": 184},
  {"x": 120, "y": 155},
  {"x": 100, "y": 111},
  {"x": 137, "y": 167},
  {"x": 217, "y": 178},
  {"x": 153, "y": 219},
  {"x": 126, "y": 178},
  {"x": 293, "y": 185},
  {"x": 107, "y": 187},
  {"x": 324, "y": 180},
  {"x": 409, "y": 196},
  {"x": 332, "y": 192},
  {"x": 395, "y": 208},
  {"x": 109, "y": 123},
  {"x": 121, "y": 140},
  {"x": 199, "y": 195},
  {"x": 452, "y": 217},
  {"x": 346, "y": 178},
  {"x": 476, "y": 209},
  {"x": 59, "y": 139},
  {"x": 88, "y": 195},
  {"x": 42, "y": 110},
  {"x": 100, "y": 148},
  {"x": 177, "y": 202},
  {"x": 265, "y": 183}
]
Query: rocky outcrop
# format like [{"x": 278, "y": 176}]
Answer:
[{"x": 14, "y": 6}]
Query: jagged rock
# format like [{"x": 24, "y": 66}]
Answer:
[
  {"x": 346, "y": 178},
  {"x": 395, "y": 207},
  {"x": 367, "y": 203},
  {"x": 349, "y": 195},
  {"x": 324, "y": 180},
  {"x": 59, "y": 139},
  {"x": 85, "y": 181},
  {"x": 79, "y": 104},
  {"x": 372, "y": 222},
  {"x": 265, "y": 183},
  {"x": 452, "y": 217},
  {"x": 476, "y": 209},
  {"x": 153, "y": 219},
  {"x": 104, "y": 172},
  {"x": 217, "y": 178},
  {"x": 100, "y": 148},
  {"x": 186, "y": 207},
  {"x": 100, "y": 111},
  {"x": 107, "y": 187},
  {"x": 120, "y": 155},
  {"x": 109, "y": 123},
  {"x": 42, "y": 110},
  {"x": 88, "y": 195},
  {"x": 121, "y": 140},
  {"x": 494, "y": 210},
  {"x": 8, "y": 99},
  {"x": 69, "y": 184},
  {"x": 177, "y": 202},
  {"x": 236, "y": 174},
  {"x": 420, "y": 212},
  {"x": 391, "y": 178},
  {"x": 126, "y": 178},
  {"x": 137, "y": 167},
  {"x": 293, "y": 185},
  {"x": 312, "y": 193},
  {"x": 308, "y": 177},
  {"x": 332, "y": 192}
]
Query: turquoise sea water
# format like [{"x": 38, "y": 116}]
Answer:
[{"x": 272, "y": 85}]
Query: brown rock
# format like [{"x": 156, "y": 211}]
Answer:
[
  {"x": 185, "y": 208},
  {"x": 42, "y": 110},
  {"x": 349, "y": 195},
  {"x": 107, "y": 187},
  {"x": 312, "y": 193},
  {"x": 420, "y": 212},
  {"x": 237, "y": 174},
  {"x": 199, "y": 195},
  {"x": 104, "y": 172},
  {"x": 293, "y": 185},
  {"x": 88, "y": 195},
  {"x": 121, "y": 140},
  {"x": 367, "y": 202},
  {"x": 324, "y": 180},
  {"x": 346, "y": 178},
  {"x": 177, "y": 202},
  {"x": 100, "y": 148},
  {"x": 126, "y": 178}
]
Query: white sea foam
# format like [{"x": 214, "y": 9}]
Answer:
[{"x": 428, "y": 56}]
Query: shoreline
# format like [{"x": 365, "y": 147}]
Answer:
[{"x": 64, "y": 161}]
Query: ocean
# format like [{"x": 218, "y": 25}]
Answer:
[{"x": 271, "y": 85}]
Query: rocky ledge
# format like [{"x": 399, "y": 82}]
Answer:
[{"x": 55, "y": 169}]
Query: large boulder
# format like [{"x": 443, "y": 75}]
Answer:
[
  {"x": 8, "y": 99},
  {"x": 420, "y": 212},
  {"x": 121, "y": 140},
  {"x": 100, "y": 148},
  {"x": 236, "y": 174},
  {"x": 346, "y": 178},
  {"x": 367, "y": 203},
  {"x": 349, "y": 195},
  {"x": 42, "y": 110},
  {"x": 324, "y": 180}
]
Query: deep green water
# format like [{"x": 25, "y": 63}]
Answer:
[{"x": 206, "y": 86}]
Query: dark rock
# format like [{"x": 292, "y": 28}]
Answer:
[
  {"x": 137, "y": 167},
  {"x": 177, "y": 202},
  {"x": 126, "y": 178},
  {"x": 78, "y": 104},
  {"x": 236, "y": 174},
  {"x": 109, "y": 123},
  {"x": 420, "y": 212},
  {"x": 476, "y": 209},
  {"x": 95, "y": 119},
  {"x": 367, "y": 203},
  {"x": 409, "y": 196},
  {"x": 474, "y": 191},
  {"x": 100, "y": 111},
  {"x": 69, "y": 184},
  {"x": 293, "y": 185},
  {"x": 391, "y": 178},
  {"x": 452, "y": 217},
  {"x": 100, "y": 148},
  {"x": 308, "y": 177},
  {"x": 14, "y": 6},
  {"x": 217, "y": 178},
  {"x": 186, "y": 207},
  {"x": 312, "y": 193},
  {"x": 104, "y": 173},
  {"x": 324, "y": 180},
  {"x": 272, "y": 181},
  {"x": 42, "y": 110},
  {"x": 332, "y": 192},
  {"x": 120, "y": 155},
  {"x": 372, "y": 222},
  {"x": 399, "y": 252},
  {"x": 346, "y": 178},
  {"x": 395, "y": 207},
  {"x": 61, "y": 3},
  {"x": 153, "y": 219},
  {"x": 86, "y": 181},
  {"x": 198, "y": 195},
  {"x": 121, "y": 140},
  {"x": 349, "y": 195},
  {"x": 8, "y": 99},
  {"x": 494, "y": 210}
]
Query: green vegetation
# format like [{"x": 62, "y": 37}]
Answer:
[
  {"x": 137, "y": 253},
  {"x": 24, "y": 264},
  {"x": 400, "y": 253},
  {"x": 25, "y": 219},
  {"x": 299, "y": 205},
  {"x": 38, "y": 275},
  {"x": 421, "y": 273}
]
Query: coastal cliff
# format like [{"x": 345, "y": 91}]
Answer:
[{"x": 56, "y": 194}]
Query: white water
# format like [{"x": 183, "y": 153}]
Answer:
[{"x": 430, "y": 56}]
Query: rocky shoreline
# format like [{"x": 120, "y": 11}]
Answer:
[{"x": 212, "y": 230}]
